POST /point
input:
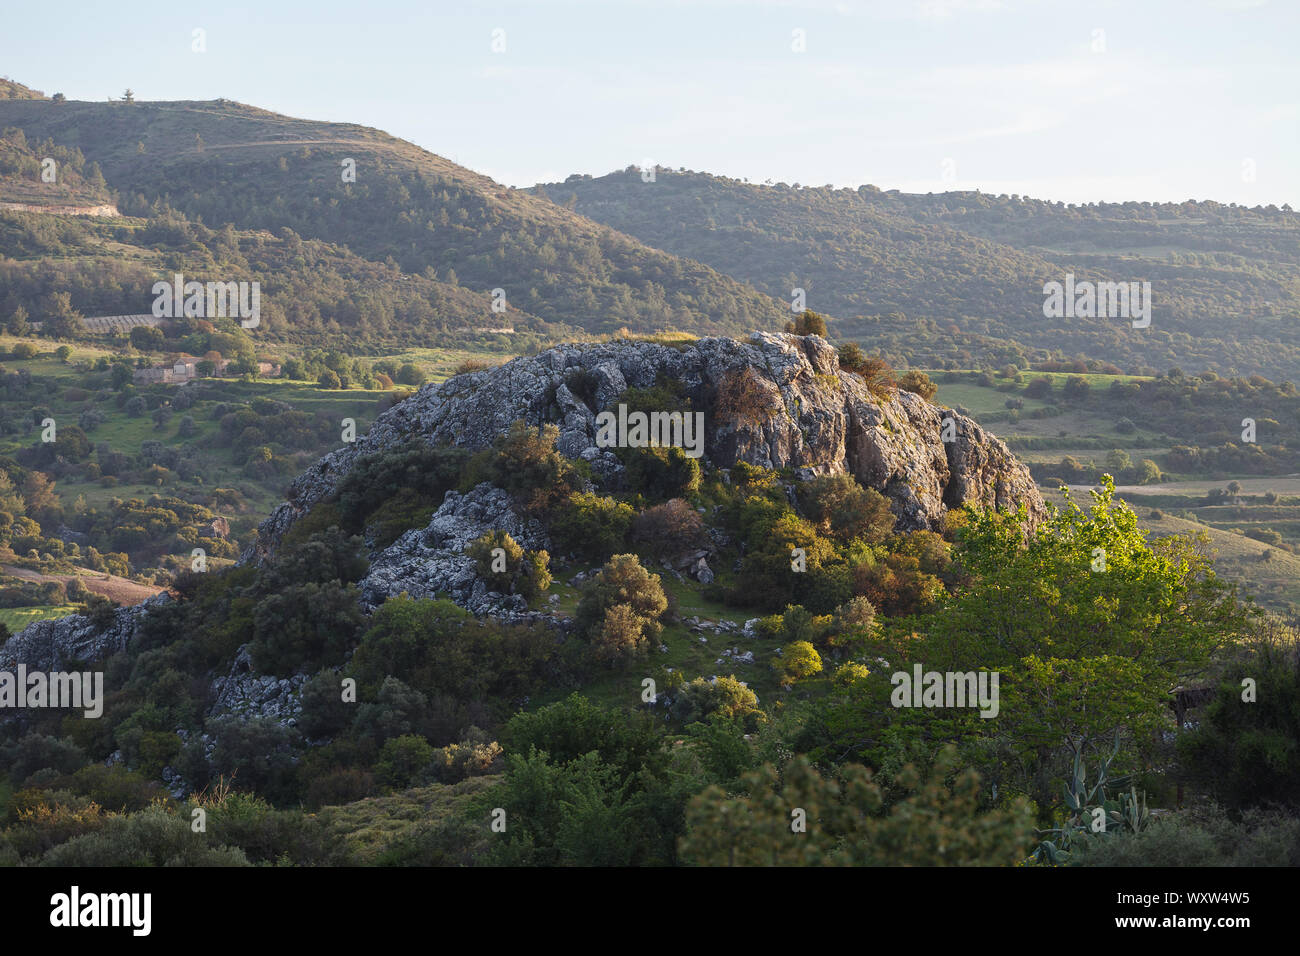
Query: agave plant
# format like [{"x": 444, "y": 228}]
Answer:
[{"x": 1126, "y": 814}]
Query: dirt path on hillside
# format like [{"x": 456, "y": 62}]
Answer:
[{"x": 121, "y": 590}]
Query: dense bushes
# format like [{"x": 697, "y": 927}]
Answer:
[
  {"x": 724, "y": 698},
  {"x": 398, "y": 488},
  {"x": 591, "y": 525},
  {"x": 1243, "y": 750},
  {"x": 841, "y": 507},
  {"x": 441, "y": 651},
  {"x": 670, "y": 528},
  {"x": 525, "y": 463}
]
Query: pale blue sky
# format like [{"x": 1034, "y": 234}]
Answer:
[{"x": 1185, "y": 94}]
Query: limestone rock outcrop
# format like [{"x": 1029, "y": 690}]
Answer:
[{"x": 802, "y": 412}]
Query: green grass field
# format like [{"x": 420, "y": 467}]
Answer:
[{"x": 17, "y": 618}]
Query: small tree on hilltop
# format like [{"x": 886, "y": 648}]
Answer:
[
  {"x": 917, "y": 381},
  {"x": 808, "y": 323}
]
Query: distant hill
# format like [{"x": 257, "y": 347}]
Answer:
[
  {"x": 225, "y": 162},
  {"x": 313, "y": 292},
  {"x": 930, "y": 276},
  {"x": 9, "y": 90}
]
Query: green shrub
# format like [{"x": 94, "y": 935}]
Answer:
[
  {"x": 723, "y": 697},
  {"x": 591, "y": 526},
  {"x": 152, "y": 837},
  {"x": 843, "y": 508},
  {"x": 660, "y": 473},
  {"x": 799, "y": 660},
  {"x": 306, "y": 626},
  {"x": 475, "y": 755},
  {"x": 404, "y": 762}
]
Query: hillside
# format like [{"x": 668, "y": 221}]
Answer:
[
  {"x": 47, "y": 177},
  {"x": 225, "y": 162},
  {"x": 311, "y": 291},
  {"x": 9, "y": 90},
  {"x": 533, "y": 617},
  {"x": 928, "y": 277}
]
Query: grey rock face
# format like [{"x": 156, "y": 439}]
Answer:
[
  {"x": 244, "y": 693},
  {"x": 428, "y": 561},
  {"x": 50, "y": 645},
  {"x": 812, "y": 416}
]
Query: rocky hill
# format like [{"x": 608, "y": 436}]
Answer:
[
  {"x": 810, "y": 415},
  {"x": 805, "y": 413}
]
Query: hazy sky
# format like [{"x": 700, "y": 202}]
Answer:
[{"x": 1076, "y": 101}]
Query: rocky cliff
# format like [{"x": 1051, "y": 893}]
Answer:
[{"x": 804, "y": 412}]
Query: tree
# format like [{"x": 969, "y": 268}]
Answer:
[
  {"x": 660, "y": 472},
  {"x": 1091, "y": 626},
  {"x": 304, "y": 626},
  {"x": 722, "y": 698},
  {"x": 808, "y": 323},
  {"x": 329, "y": 379},
  {"x": 917, "y": 381},
  {"x": 61, "y": 319},
  {"x": 411, "y": 374},
  {"x": 1039, "y": 388},
  {"x": 621, "y": 635},
  {"x": 874, "y": 370},
  {"x": 18, "y": 321},
  {"x": 524, "y": 462},
  {"x": 575, "y": 726},
  {"x": 851, "y": 356},
  {"x": 621, "y": 583},
  {"x": 1243, "y": 752},
  {"x": 1118, "y": 462},
  {"x": 497, "y": 558},
  {"x": 673, "y": 527},
  {"x": 147, "y": 338},
  {"x": 507, "y": 567},
  {"x": 1076, "y": 389},
  {"x": 591, "y": 525},
  {"x": 128, "y": 95},
  {"x": 121, "y": 376},
  {"x": 1148, "y": 472},
  {"x": 404, "y": 761}
]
